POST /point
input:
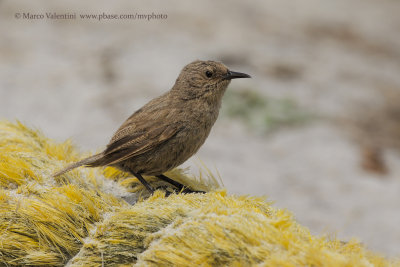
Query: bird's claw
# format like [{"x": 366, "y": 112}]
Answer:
[{"x": 168, "y": 190}]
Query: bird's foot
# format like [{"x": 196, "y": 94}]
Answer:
[
  {"x": 169, "y": 190},
  {"x": 180, "y": 188},
  {"x": 187, "y": 190}
]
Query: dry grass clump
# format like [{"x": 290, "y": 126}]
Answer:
[{"x": 81, "y": 219}]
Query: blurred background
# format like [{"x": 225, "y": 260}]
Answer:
[{"x": 316, "y": 130}]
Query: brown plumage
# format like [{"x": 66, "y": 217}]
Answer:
[{"x": 169, "y": 129}]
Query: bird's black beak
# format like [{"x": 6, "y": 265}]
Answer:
[{"x": 235, "y": 75}]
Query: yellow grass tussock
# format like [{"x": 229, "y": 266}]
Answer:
[{"x": 83, "y": 218}]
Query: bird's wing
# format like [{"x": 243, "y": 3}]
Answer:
[{"x": 137, "y": 138}]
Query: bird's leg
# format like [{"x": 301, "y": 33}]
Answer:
[
  {"x": 143, "y": 181},
  {"x": 177, "y": 184},
  {"x": 169, "y": 180}
]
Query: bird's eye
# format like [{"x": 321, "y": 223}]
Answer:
[{"x": 209, "y": 74}]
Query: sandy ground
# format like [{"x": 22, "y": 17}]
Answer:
[{"x": 81, "y": 78}]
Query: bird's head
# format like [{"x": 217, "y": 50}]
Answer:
[{"x": 205, "y": 79}]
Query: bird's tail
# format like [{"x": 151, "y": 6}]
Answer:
[{"x": 90, "y": 161}]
